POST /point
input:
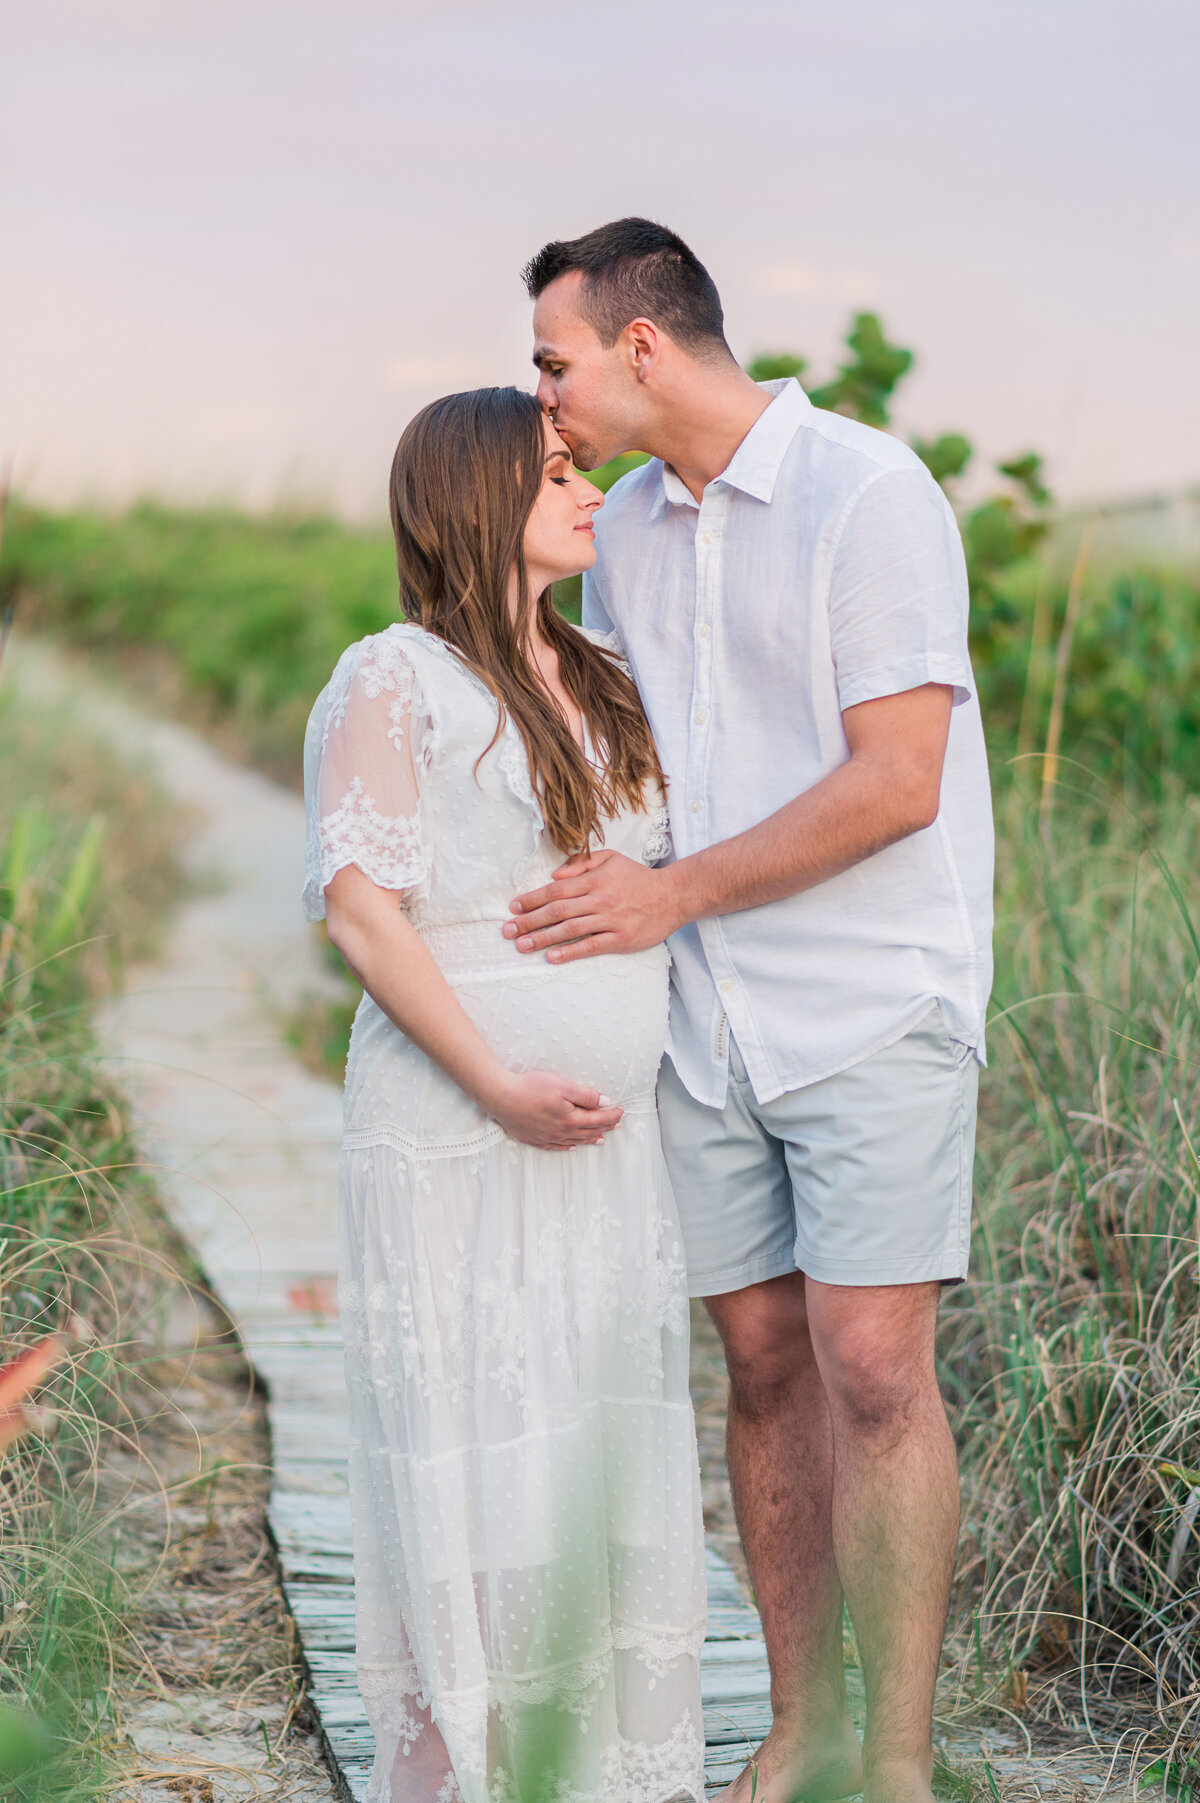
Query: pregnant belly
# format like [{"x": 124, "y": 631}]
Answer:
[{"x": 602, "y": 1021}]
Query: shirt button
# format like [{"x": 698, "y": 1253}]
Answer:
[
  {"x": 726, "y": 985},
  {"x": 695, "y": 807},
  {"x": 709, "y": 538},
  {"x": 704, "y": 632},
  {"x": 701, "y": 717}
]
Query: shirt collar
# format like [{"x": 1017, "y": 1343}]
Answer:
[{"x": 755, "y": 464}]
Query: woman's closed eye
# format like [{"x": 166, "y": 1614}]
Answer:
[{"x": 560, "y": 481}]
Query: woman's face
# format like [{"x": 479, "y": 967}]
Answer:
[{"x": 558, "y": 534}]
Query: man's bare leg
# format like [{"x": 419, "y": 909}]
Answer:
[
  {"x": 895, "y": 1512},
  {"x": 781, "y": 1472}
]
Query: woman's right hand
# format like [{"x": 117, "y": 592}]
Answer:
[{"x": 549, "y": 1112}]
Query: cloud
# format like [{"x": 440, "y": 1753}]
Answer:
[
  {"x": 807, "y": 281},
  {"x": 445, "y": 370}
]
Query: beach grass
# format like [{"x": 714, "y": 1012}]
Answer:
[
  {"x": 87, "y": 867},
  {"x": 1072, "y": 1359}
]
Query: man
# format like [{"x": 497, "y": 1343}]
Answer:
[{"x": 790, "y": 590}]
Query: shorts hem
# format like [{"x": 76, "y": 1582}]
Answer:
[
  {"x": 740, "y": 1277},
  {"x": 863, "y": 1274}
]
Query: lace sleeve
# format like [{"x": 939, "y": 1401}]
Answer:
[
  {"x": 367, "y": 744},
  {"x": 610, "y": 641}
]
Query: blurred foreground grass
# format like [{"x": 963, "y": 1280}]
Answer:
[
  {"x": 87, "y": 867},
  {"x": 1072, "y": 1359}
]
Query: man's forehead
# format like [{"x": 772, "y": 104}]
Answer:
[{"x": 557, "y": 321}]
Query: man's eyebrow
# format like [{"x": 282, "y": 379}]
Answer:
[{"x": 542, "y": 354}]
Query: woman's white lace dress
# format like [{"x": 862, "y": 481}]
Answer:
[{"x": 529, "y": 1561}]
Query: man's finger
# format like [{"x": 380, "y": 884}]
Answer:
[
  {"x": 536, "y": 898},
  {"x": 559, "y": 907},
  {"x": 558, "y": 932},
  {"x": 572, "y": 872},
  {"x": 584, "y": 948}
]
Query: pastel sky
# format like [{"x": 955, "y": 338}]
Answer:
[{"x": 241, "y": 241}]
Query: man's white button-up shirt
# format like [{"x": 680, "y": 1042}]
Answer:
[{"x": 822, "y": 568}]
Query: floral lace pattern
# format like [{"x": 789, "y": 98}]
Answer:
[
  {"x": 623, "y": 1770},
  {"x": 365, "y": 824},
  {"x": 529, "y": 1566},
  {"x": 388, "y": 850},
  {"x": 658, "y": 847}
]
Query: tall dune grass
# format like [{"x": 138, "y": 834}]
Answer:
[
  {"x": 1073, "y": 1358},
  {"x": 78, "y": 890}
]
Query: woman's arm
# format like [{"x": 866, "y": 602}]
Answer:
[{"x": 400, "y": 974}]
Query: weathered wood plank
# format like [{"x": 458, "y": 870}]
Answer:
[
  {"x": 312, "y": 1534},
  {"x": 310, "y": 1521}
]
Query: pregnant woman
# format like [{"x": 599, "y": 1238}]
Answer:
[{"x": 529, "y": 1561}]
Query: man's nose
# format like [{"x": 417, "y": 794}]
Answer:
[{"x": 547, "y": 394}]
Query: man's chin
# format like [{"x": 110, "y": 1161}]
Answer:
[{"x": 584, "y": 455}]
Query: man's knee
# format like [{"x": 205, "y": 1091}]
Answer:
[
  {"x": 874, "y": 1350},
  {"x": 764, "y": 1330}
]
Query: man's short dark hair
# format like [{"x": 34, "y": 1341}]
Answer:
[{"x": 635, "y": 269}]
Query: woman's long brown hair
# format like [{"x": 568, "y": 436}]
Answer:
[{"x": 465, "y": 478}]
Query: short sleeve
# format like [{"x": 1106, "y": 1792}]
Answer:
[
  {"x": 898, "y": 592},
  {"x": 365, "y": 751}
]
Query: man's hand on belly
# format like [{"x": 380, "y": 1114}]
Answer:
[{"x": 602, "y": 903}]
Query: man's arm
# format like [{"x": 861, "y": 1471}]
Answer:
[{"x": 888, "y": 788}]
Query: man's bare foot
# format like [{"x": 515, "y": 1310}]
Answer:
[
  {"x": 827, "y": 1768},
  {"x": 899, "y": 1782}
]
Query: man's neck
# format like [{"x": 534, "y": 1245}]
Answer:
[{"x": 703, "y": 422}]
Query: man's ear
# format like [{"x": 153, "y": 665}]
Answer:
[{"x": 642, "y": 343}]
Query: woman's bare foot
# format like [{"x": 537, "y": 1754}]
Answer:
[{"x": 791, "y": 1768}]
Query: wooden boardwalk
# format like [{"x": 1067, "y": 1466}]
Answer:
[
  {"x": 310, "y": 1522},
  {"x": 245, "y": 1143}
]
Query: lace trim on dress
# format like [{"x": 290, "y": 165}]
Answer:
[
  {"x": 658, "y": 1650},
  {"x": 388, "y": 850},
  {"x": 610, "y": 642},
  {"x": 394, "y": 1690},
  {"x": 633, "y": 1772},
  {"x": 668, "y": 1768},
  {"x": 658, "y": 845}
]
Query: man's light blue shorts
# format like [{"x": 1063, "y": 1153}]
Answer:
[{"x": 862, "y": 1178}]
